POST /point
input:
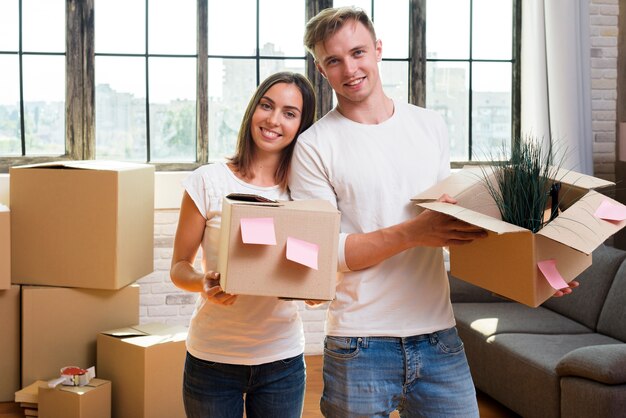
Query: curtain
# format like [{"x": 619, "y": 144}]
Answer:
[{"x": 555, "y": 79}]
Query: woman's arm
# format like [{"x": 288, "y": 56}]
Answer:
[{"x": 188, "y": 238}]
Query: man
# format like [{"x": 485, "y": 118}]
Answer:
[{"x": 391, "y": 338}]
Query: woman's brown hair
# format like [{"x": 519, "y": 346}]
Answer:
[{"x": 244, "y": 152}]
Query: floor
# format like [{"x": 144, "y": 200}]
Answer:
[{"x": 488, "y": 407}]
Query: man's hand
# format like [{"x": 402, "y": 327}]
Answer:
[
  {"x": 434, "y": 229},
  {"x": 213, "y": 290},
  {"x": 566, "y": 291}
]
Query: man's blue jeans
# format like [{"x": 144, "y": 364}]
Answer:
[
  {"x": 421, "y": 376},
  {"x": 216, "y": 390}
]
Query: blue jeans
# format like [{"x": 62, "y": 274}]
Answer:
[
  {"x": 216, "y": 390},
  {"x": 420, "y": 376}
]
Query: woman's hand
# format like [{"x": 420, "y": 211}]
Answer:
[{"x": 213, "y": 290}]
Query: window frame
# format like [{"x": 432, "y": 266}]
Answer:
[{"x": 80, "y": 81}]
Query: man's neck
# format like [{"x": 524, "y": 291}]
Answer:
[{"x": 370, "y": 112}]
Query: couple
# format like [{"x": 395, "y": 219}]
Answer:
[{"x": 391, "y": 338}]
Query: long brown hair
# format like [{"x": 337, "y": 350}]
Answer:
[{"x": 244, "y": 152}]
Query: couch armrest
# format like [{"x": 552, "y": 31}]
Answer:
[
  {"x": 602, "y": 363},
  {"x": 464, "y": 292}
]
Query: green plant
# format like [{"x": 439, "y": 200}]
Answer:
[{"x": 522, "y": 187}]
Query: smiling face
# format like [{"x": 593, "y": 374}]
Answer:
[
  {"x": 349, "y": 61},
  {"x": 276, "y": 118}
]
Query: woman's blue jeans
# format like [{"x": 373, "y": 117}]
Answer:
[
  {"x": 216, "y": 390},
  {"x": 420, "y": 376}
]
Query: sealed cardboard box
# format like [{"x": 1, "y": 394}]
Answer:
[
  {"x": 508, "y": 261},
  {"x": 5, "y": 248},
  {"x": 60, "y": 326},
  {"x": 283, "y": 249},
  {"x": 145, "y": 364},
  {"x": 9, "y": 343},
  {"x": 86, "y": 224},
  {"x": 90, "y": 401}
]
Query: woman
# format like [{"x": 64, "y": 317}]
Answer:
[{"x": 243, "y": 344}]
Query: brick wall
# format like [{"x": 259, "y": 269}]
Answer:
[
  {"x": 162, "y": 301},
  {"x": 603, "y": 33}
]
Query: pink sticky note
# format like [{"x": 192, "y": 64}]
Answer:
[
  {"x": 611, "y": 211},
  {"x": 258, "y": 231},
  {"x": 302, "y": 252},
  {"x": 550, "y": 272}
]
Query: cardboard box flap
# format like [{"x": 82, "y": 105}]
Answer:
[
  {"x": 251, "y": 199},
  {"x": 475, "y": 218},
  {"x": 125, "y": 332},
  {"x": 580, "y": 180},
  {"x": 453, "y": 185},
  {"x": 578, "y": 227},
  {"x": 30, "y": 393},
  {"x": 86, "y": 165}
]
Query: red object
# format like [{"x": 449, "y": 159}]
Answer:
[{"x": 73, "y": 371}]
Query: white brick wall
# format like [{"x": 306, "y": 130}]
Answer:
[
  {"x": 162, "y": 301},
  {"x": 603, "y": 33}
]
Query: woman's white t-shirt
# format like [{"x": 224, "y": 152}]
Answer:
[{"x": 255, "y": 329}]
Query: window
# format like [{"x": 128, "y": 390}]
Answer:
[
  {"x": 471, "y": 74},
  {"x": 32, "y": 77},
  {"x": 167, "y": 82}
]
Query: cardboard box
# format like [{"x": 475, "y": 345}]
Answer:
[
  {"x": 5, "y": 248},
  {"x": 86, "y": 224},
  {"x": 9, "y": 343},
  {"x": 266, "y": 270},
  {"x": 90, "y": 401},
  {"x": 506, "y": 261},
  {"x": 60, "y": 326},
  {"x": 145, "y": 364}
]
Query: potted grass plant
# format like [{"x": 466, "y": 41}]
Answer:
[{"x": 524, "y": 187}]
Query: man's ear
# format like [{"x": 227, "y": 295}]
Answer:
[
  {"x": 379, "y": 50},
  {"x": 320, "y": 69}
]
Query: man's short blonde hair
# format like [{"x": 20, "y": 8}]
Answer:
[{"x": 327, "y": 22}]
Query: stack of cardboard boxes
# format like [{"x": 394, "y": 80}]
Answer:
[{"x": 81, "y": 233}]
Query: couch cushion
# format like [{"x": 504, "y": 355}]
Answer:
[
  {"x": 612, "y": 320},
  {"x": 585, "y": 303},
  {"x": 517, "y": 368},
  {"x": 496, "y": 318}
]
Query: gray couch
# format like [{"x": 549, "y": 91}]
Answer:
[{"x": 566, "y": 358}]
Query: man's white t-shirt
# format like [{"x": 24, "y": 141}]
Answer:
[
  {"x": 370, "y": 173},
  {"x": 255, "y": 329}
]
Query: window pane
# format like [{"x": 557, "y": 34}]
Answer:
[
  {"x": 394, "y": 75},
  {"x": 447, "y": 31},
  {"x": 120, "y": 26},
  {"x": 121, "y": 108},
  {"x": 43, "y": 25},
  {"x": 286, "y": 37},
  {"x": 9, "y": 25},
  {"x": 269, "y": 67},
  {"x": 231, "y": 85},
  {"x": 491, "y": 109},
  {"x": 172, "y": 109},
  {"x": 447, "y": 91},
  {"x": 241, "y": 37},
  {"x": 391, "y": 21},
  {"x": 493, "y": 29},
  {"x": 172, "y": 27},
  {"x": 366, "y": 5},
  {"x": 44, "y": 104},
  {"x": 10, "y": 137}
]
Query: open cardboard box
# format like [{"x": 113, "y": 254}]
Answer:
[
  {"x": 86, "y": 224},
  {"x": 145, "y": 363},
  {"x": 506, "y": 261},
  {"x": 90, "y": 401},
  {"x": 266, "y": 270}
]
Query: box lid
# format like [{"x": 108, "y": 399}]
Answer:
[
  {"x": 318, "y": 205},
  {"x": 149, "y": 334},
  {"x": 86, "y": 165}
]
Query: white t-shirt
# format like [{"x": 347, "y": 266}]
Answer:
[
  {"x": 254, "y": 330},
  {"x": 370, "y": 173}
]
